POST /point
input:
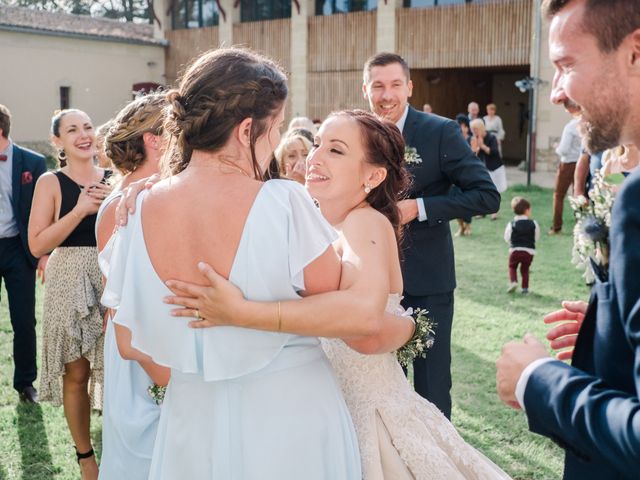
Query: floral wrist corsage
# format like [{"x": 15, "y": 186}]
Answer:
[
  {"x": 156, "y": 392},
  {"x": 422, "y": 340}
]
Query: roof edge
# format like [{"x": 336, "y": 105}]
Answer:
[{"x": 84, "y": 36}]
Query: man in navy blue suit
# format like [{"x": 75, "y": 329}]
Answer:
[
  {"x": 592, "y": 407},
  {"x": 437, "y": 157},
  {"x": 19, "y": 172}
]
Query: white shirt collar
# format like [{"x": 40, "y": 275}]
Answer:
[
  {"x": 520, "y": 217},
  {"x": 400, "y": 123}
]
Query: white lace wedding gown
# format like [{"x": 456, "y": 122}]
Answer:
[{"x": 401, "y": 435}]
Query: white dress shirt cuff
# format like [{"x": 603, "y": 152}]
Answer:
[
  {"x": 422, "y": 212},
  {"x": 521, "y": 386}
]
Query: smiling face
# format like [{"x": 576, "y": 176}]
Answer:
[
  {"x": 388, "y": 90},
  {"x": 473, "y": 109},
  {"x": 589, "y": 83},
  {"x": 77, "y": 136},
  {"x": 336, "y": 167},
  {"x": 295, "y": 152}
]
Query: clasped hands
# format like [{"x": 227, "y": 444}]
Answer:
[{"x": 516, "y": 356}]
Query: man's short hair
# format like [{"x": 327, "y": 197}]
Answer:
[
  {"x": 519, "y": 205},
  {"x": 383, "y": 59},
  {"x": 5, "y": 121},
  {"x": 461, "y": 118},
  {"x": 610, "y": 21}
]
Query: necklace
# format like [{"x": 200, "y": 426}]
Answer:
[{"x": 221, "y": 165}]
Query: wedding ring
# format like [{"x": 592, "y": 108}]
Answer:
[{"x": 198, "y": 314}]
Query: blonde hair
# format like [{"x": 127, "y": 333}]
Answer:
[
  {"x": 124, "y": 142},
  {"x": 287, "y": 140},
  {"x": 479, "y": 124},
  {"x": 492, "y": 105}
]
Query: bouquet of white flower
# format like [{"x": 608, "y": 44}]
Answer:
[
  {"x": 422, "y": 340},
  {"x": 591, "y": 232}
]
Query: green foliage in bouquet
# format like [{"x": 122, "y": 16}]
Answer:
[{"x": 422, "y": 339}]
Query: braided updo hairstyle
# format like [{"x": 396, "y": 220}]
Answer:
[
  {"x": 218, "y": 91},
  {"x": 384, "y": 147},
  {"x": 124, "y": 142}
]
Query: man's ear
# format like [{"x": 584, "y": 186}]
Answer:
[
  {"x": 635, "y": 51},
  {"x": 364, "y": 91},
  {"x": 410, "y": 86}
]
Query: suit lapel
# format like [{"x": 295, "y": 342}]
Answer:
[
  {"x": 16, "y": 181},
  {"x": 582, "y": 353},
  {"x": 410, "y": 126}
]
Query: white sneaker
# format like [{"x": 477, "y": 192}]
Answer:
[{"x": 512, "y": 287}]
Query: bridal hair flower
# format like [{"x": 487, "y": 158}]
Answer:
[
  {"x": 411, "y": 155},
  {"x": 422, "y": 340}
]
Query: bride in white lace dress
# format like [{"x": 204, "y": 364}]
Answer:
[{"x": 356, "y": 173}]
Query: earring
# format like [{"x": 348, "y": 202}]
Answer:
[
  {"x": 62, "y": 156},
  {"x": 367, "y": 189}
]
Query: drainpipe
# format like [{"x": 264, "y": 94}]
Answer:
[{"x": 534, "y": 92}]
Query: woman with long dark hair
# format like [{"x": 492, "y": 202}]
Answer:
[{"x": 241, "y": 403}]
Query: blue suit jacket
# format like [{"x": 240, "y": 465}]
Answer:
[
  {"x": 592, "y": 408},
  {"x": 27, "y": 168},
  {"x": 428, "y": 266}
]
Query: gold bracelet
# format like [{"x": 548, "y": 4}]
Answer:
[{"x": 279, "y": 317}]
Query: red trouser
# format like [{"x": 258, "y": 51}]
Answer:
[
  {"x": 524, "y": 259},
  {"x": 564, "y": 179}
]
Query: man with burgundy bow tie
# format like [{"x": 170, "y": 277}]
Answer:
[{"x": 19, "y": 172}]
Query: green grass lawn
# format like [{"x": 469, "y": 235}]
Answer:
[{"x": 35, "y": 443}]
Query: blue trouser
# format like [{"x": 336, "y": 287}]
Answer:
[
  {"x": 20, "y": 281},
  {"x": 432, "y": 375}
]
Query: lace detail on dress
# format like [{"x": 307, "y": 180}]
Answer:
[{"x": 425, "y": 440}]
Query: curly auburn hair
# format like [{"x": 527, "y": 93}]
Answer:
[
  {"x": 124, "y": 140},
  {"x": 218, "y": 91},
  {"x": 384, "y": 147}
]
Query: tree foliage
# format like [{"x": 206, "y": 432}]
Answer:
[{"x": 128, "y": 10}]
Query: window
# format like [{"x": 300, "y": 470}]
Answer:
[
  {"x": 255, "y": 10},
  {"x": 65, "y": 97},
  {"x": 194, "y": 14},
  {"x": 329, "y": 7},
  {"x": 433, "y": 3}
]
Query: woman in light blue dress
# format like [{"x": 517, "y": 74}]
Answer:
[
  {"x": 241, "y": 404},
  {"x": 130, "y": 416}
]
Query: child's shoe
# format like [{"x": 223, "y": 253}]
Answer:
[
  {"x": 525, "y": 291},
  {"x": 512, "y": 287}
]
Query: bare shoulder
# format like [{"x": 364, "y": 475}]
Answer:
[
  {"x": 367, "y": 222},
  {"x": 48, "y": 183}
]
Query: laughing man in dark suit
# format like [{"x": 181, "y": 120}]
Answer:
[
  {"x": 591, "y": 408},
  {"x": 19, "y": 172},
  {"x": 437, "y": 157}
]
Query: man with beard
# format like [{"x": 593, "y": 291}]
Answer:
[
  {"x": 437, "y": 157},
  {"x": 592, "y": 408}
]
